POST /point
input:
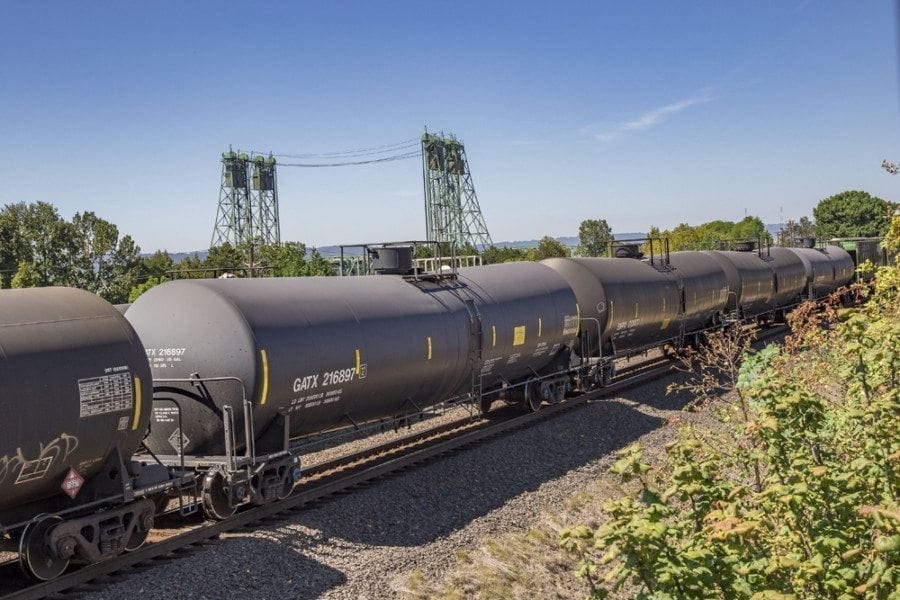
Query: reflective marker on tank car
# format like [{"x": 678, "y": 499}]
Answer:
[
  {"x": 264, "y": 395},
  {"x": 137, "y": 403},
  {"x": 428, "y": 339},
  {"x": 358, "y": 361}
]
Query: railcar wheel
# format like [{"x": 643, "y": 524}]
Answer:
[
  {"x": 36, "y": 557},
  {"x": 215, "y": 496},
  {"x": 141, "y": 531},
  {"x": 533, "y": 398},
  {"x": 485, "y": 405},
  {"x": 290, "y": 480},
  {"x": 136, "y": 540}
]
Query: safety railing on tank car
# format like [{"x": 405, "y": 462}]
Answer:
[
  {"x": 232, "y": 461},
  {"x": 400, "y": 259},
  {"x": 656, "y": 247},
  {"x": 759, "y": 244}
]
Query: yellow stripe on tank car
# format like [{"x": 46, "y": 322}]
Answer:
[
  {"x": 493, "y": 336},
  {"x": 540, "y": 326},
  {"x": 358, "y": 361},
  {"x": 137, "y": 403},
  {"x": 428, "y": 340},
  {"x": 636, "y": 310},
  {"x": 264, "y": 394}
]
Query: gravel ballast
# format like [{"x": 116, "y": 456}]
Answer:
[{"x": 365, "y": 544}]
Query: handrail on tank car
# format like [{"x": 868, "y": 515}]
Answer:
[
  {"x": 227, "y": 416},
  {"x": 415, "y": 244},
  {"x": 660, "y": 259}
]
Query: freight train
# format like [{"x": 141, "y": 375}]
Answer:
[{"x": 209, "y": 383}]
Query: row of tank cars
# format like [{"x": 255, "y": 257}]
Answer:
[{"x": 209, "y": 383}]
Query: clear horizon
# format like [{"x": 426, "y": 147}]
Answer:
[{"x": 641, "y": 114}]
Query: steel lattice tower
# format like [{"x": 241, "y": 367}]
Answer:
[
  {"x": 452, "y": 212},
  {"x": 248, "y": 202},
  {"x": 264, "y": 200}
]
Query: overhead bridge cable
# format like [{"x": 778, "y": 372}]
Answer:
[
  {"x": 370, "y": 161},
  {"x": 396, "y": 151}
]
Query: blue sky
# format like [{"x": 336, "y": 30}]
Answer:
[{"x": 637, "y": 112}]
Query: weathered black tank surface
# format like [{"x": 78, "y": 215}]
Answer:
[
  {"x": 819, "y": 271},
  {"x": 529, "y": 316},
  {"x": 790, "y": 275},
  {"x": 76, "y": 386},
  {"x": 703, "y": 287},
  {"x": 844, "y": 266},
  {"x": 325, "y": 349},
  {"x": 634, "y": 304},
  {"x": 751, "y": 282}
]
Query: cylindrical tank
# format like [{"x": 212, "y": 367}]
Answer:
[
  {"x": 634, "y": 304},
  {"x": 751, "y": 283},
  {"x": 843, "y": 264},
  {"x": 529, "y": 318},
  {"x": 703, "y": 285},
  {"x": 330, "y": 350},
  {"x": 790, "y": 276},
  {"x": 336, "y": 350},
  {"x": 819, "y": 271},
  {"x": 76, "y": 386}
]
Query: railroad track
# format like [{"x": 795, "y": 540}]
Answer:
[{"x": 333, "y": 476}]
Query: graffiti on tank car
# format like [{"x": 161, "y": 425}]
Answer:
[{"x": 33, "y": 469}]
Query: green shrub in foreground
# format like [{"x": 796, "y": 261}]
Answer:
[{"x": 795, "y": 495}]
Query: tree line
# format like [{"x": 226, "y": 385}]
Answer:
[{"x": 40, "y": 248}]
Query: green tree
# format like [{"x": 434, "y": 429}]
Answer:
[
  {"x": 41, "y": 238},
  {"x": 709, "y": 235},
  {"x": 224, "y": 258},
  {"x": 852, "y": 214},
  {"x": 25, "y": 276},
  {"x": 548, "y": 247},
  {"x": 190, "y": 267},
  {"x": 104, "y": 264},
  {"x": 157, "y": 264},
  {"x": 796, "y": 230},
  {"x": 594, "y": 236},
  {"x": 494, "y": 255},
  {"x": 291, "y": 259}
]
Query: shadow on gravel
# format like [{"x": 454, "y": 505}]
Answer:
[
  {"x": 245, "y": 569},
  {"x": 432, "y": 501}
]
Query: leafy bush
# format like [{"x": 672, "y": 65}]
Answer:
[{"x": 793, "y": 495}]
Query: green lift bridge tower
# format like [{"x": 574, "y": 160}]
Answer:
[
  {"x": 248, "y": 201},
  {"x": 452, "y": 212}
]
